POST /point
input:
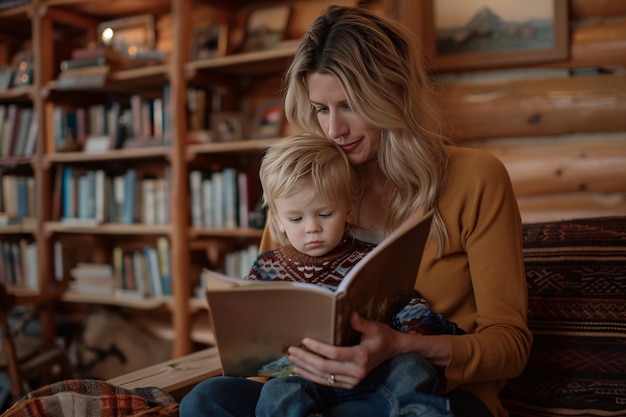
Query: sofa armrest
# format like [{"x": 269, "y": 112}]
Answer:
[{"x": 176, "y": 376}]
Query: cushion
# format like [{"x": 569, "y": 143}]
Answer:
[{"x": 576, "y": 275}]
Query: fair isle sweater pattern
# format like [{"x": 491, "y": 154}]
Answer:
[{"x": 288, "y": 264}]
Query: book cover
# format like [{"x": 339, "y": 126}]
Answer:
[{"x": 254, "y": 322}]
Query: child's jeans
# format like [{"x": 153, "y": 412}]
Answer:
[{"x": 406, "y": 385}]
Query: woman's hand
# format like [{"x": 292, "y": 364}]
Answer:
[{"x": 345, "y": 367}]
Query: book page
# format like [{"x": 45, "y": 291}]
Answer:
[{"x": 384, "y": 280}]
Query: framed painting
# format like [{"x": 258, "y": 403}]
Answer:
[
  {"x": 265, "y": 27},
  {"x": 129, "y": 36},
  {"x": 268, "y": 119},
  {"x": 209, "y": 42},
  {"x": 227, "y": 126},
  {"x": 478, "y": 34}
]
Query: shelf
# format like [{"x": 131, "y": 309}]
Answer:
[
  {"x": 116, "y": 154},
  {"x": 24, "y": 294},
  {"x": 23, "y": 94},
  {"x": 230, "y": 233},
  {"x": 108, "y": 8},
  {"x": 144, "y": 304},
  {"x": 18, "y": 229},
  {"x": 13, "y": 162},
  {"x": 117, "y": 81},
  {"x": 246, "y": 64},
  {"x": 109, "y": 229},
  {"x": 250, "y": 145}
]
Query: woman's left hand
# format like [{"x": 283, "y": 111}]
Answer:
[{"x": 345, "y": 367}]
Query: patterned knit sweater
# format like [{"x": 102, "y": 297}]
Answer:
[{"x": 288, "y": 264}]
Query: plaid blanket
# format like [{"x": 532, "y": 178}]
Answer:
[{"x": 93, "y": 398}]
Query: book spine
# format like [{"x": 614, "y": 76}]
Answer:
[
  {"x": 128, "y": 206},
  {"x": 195, "y": 185},
  {"x": 229, "y": 176},
  {"x": 9, "y": 132},
  {"x": 152, "y": 263},
  {"x": 68, "y": 191},
  {"x": 165, "y": 268}
]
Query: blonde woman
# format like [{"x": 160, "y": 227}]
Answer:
[{"x": 357, "y": 80}]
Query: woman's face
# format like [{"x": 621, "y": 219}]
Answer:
[{"x": 358, "y": 139}]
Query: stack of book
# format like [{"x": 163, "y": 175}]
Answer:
[
  {"x": 88, "y": 67},
  {"x": 92, "y": 279}
]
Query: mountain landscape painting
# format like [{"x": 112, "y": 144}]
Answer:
[{"x": 480, "y": 32}]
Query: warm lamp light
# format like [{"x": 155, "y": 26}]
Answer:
[{"x": 107, "y": 36}]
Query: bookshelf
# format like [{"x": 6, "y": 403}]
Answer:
[{"x": 62, "y": 168}]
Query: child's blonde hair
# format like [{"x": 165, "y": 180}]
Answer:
[{"x": 307, "y": 162}]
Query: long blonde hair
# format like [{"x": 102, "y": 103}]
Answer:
[
  {"x": 385, "y": 81},
  {"x": 305, "y": 162}
]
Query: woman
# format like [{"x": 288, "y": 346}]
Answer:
[{"x": 357, "y": 79}]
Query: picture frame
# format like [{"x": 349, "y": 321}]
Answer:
[
  {"x": 479, "y": 34},
  {"x": 209, "y": 42},
  {"x": 268, "y": 119},
  {"x": 22, "y": 72},
  {"x": 265, "y": 27},
  {"x": 6, "y": 75},
  {"x": 226, "y": 126},
  {"x": 129, "y": 36}
]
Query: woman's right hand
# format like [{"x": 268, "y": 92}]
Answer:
[{"x": 317, "y": 361}]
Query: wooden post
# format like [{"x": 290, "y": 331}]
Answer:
[{"x": 181, "y": 259}]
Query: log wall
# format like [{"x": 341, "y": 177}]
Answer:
[{"x": 559, "y": 128}]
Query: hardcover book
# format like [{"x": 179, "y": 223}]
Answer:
[{"x": 254, "y": 322}]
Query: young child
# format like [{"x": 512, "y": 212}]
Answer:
[{"x": 310, "y": 190}]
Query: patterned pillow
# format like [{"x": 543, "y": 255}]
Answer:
[{"x": 576, "y": 273}]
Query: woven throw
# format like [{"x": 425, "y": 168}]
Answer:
[
  {"x": 576, "y": 275},
  {"x": 93, "y": 398}
]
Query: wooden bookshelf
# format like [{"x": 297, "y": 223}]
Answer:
[{"x": 51, "y": 30}]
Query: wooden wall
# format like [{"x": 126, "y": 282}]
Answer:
[{"x": 560, "y": 128}]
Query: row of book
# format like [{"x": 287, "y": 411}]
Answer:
[
  {"x": 236, "y": 264},
  {"x": 93, "y": 197},
  {"x": 19, "y": 263},
  {"x": 18, "y": 131},
  {"x": 17, "y": 199},
  {"x": 141, "y": 122},
  {"x": 135, "y": 274},
  {"x": 223, "y": 199}
]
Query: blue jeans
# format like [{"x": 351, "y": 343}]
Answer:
[{"x": 403, "y": 386}]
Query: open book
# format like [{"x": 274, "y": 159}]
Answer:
[{"x": 254, "y": 322}]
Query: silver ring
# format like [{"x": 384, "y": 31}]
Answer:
[{"x": 331, "y": 379}]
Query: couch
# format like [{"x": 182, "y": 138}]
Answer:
[{"x": 576, "y": 273}]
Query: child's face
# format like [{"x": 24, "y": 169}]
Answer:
[{"x": 313, "y": 225}]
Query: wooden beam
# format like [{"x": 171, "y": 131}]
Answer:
[
  {"x": 566, "y": 206},
  {"x": 534, "y": 107},
  {"x": 576, "y": 163},
  {"x": 597, "y": 43},
  {"x": 181, "y": 11},
  {"x": 580, "y": 9}
]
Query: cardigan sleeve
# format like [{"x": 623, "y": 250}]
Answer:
[{"x": 479, "y": 282}]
